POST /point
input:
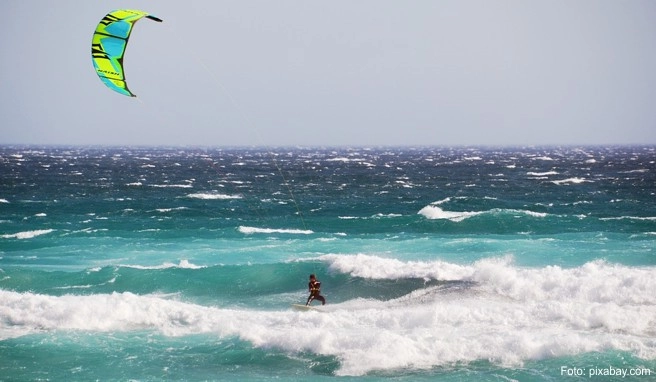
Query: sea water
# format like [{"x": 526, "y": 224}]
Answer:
[{"x": 457, "y": 264}]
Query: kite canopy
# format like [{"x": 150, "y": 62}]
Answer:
[{"x": 108, "y": 46}]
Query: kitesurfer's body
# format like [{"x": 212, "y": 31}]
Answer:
[{"x": 314, "y": 287}]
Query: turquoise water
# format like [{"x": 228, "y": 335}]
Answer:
[{"x": 455, "y": 264}]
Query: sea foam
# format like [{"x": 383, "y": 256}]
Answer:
[
  {"x": 27, "y": 234},
  {"x": 185, "y": 264},
  {"x": 254, "y": 230},
  {"x": 213, "y": 196},
  {"x": 505, "y": 314},
  {"x": 433, "y": 212}
]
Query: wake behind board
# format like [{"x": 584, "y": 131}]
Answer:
[{"x": 304, "y": 307}]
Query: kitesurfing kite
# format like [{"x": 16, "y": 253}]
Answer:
[{"x": 108, "y": 46}]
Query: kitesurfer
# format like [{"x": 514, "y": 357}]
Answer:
[{"x": 315, "y": 291}]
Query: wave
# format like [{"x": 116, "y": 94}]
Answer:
[
  {"x": 593, "y": 282},
  {"x": 376, "y": 216},
  {"x": 183, "y": 264},
  {"x": 505, "y": 314},
  {"x": 27, "y": 234},
  {"x": 374, "y": 267},
  {"x": 571, "y": 181},
  {"x": 640, "y": 218},
  {"x": 213, "y": 196},
  {"x": 171, "y": 185},
  {"x": 433, "y": 212},
  {"x": 255, "y": 230},
  {"x": 546, "y": 173},
  {"x": 165, "y": 210}
]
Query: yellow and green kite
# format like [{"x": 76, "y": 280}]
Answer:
[{"x": 108, "y": 46}]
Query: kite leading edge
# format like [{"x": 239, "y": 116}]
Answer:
[{"x": 108, "y": 46}]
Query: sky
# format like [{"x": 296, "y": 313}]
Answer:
[{"x": 335, "y": 73}]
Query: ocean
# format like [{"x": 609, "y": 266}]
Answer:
[{"x": 437, "y": 263}]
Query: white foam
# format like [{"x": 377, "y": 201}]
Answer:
[
  {"x": 4, "y": 201},
  {"x": 171, "y": 185},
  {"x": 213, "y": 196},
  {"x": 254, "y": 230},
  {"x": 645, "y": 218},
  {"x": 501, "y": 313},
  {"x": 529, "y": 213},
  {"x": 376, "y": 216},
  {"x": 637, "y": 171},
  {"x": 571, "y": 180},
  {"x": 594, "y": 282},
  {"x": 435, "y": 212},
  {"x": 445, "y": 200},
  {"x": 495, "y": 320},
  {"x": 27, "y": 234},
  {"x": 164, "y": 210},
  {"x": 182, "y": 264},
  {"x": 382, "y": 216},
  {"x": 531, "y": 173},
  {"x": 374, "y": 267}
]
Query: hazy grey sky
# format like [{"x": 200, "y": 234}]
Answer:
[{"x": 342, "y": 72}]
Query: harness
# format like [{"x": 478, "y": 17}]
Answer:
[{"x": 315, "y": 288}]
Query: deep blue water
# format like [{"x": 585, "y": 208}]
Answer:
[{"x": 478, "y": 264}]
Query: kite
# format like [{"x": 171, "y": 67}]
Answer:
[{"x": 108, "y": 46}]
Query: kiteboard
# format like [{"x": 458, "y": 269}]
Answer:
[{"x": 304, "y": 308}]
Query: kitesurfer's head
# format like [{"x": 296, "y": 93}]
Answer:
[{"x": 312, "y": 277}]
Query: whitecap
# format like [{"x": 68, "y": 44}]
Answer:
[
  {"x": 254, "y": 230},
  {"x": 171, "y": 185},
  {"x": 164, "y": 210},
  {"x": 434, "y": 212},
  {"x": 532, "y": 173},
  {"x": 213, "y": 196},
  {"x": 185, "y": 264},
  {"x": 27, "y": 234},
  {"x": 575, "y": 180},
  {"x": 509, "y": 316}
]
